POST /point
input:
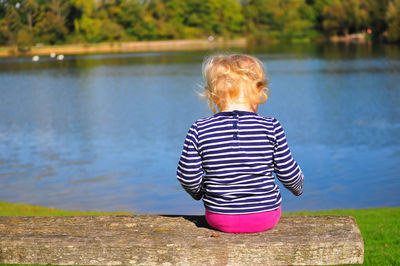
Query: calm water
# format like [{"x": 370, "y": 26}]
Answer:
[{"x": 105, "y": 132}]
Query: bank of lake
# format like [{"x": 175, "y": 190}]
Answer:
[{"x": 122, "y": 47}]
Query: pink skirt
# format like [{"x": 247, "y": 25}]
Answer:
[{"x": 243, "y": 223}]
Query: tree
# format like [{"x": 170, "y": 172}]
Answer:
[
  {"x": 377, "y": 18},
  {"x": 177, "y": 17},
  {"x": 86, "y": 24},
  {"x": 51, "y": 29},
  {"x": 24, "y": 40},
  {"x": 273, "y": 19},
  {"x": 85, "y": 6},
  {"x": 231, "y": 16},
  {"x": 393, "y": 21},
  {"x": 5, "y": 33},
  {"x": 58, "y": 7},
  {"x": 91, "y": 28},
  {"x": 51, "y": 21},
  {"x": 298, "y": 20},
  {"x": 111, "y": 31},
  {"x": 13, "y": 19},
  {"x": 318, "y": 7},
  {"x": 157, "y": 15},
  {"x": 30, "y": 8},
  {"x": 345, "y": 16},
  {"x": 136, "y": 21},
  {"x": 216, "y": 17}
]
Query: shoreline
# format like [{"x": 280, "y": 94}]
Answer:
[
  {"x": 155, "y": 46},
  {"x": 122, "y": 47}
]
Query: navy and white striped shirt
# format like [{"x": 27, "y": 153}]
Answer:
[{"x": 228, "y": 160}]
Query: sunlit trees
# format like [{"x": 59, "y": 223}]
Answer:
[
  {"x": 13, "y": 19},
  {"x": 282, "y": 20},
  {"x": 345, "y": 16},
  {"x": 177, "y": 17},
  {"x": 31, "y": 10},
  {"x": 132, "y": 16},
  {"x": 24, "y": 40},
  {"x": 61, "y": 21},
  {"x": 299, "y": 21},
  {"x": 222, "y": 17},
  {"x": 51, "y": 29},
  {"x": 393, "y": 21},
  {"x": 377, "y": 18},
  {"x": 5, "y": 33},
  {"x": 86, "y": 26}
]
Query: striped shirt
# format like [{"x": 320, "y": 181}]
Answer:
[{"x": 228, "y": 160}]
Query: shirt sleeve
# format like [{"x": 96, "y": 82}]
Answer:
[
  {"x": 190, "y": 172},
  {"x": 286, "y": 168}
]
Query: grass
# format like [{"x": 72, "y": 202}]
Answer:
[
  {"x": 14, "y": 209},
  {"x": 379, "y": 227}
]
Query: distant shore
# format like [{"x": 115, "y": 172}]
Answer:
[
  {"x": 118, "y": 47},
  {"x": 152, "y": 46}
]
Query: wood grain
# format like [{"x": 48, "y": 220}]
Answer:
[{"x": 176, "y": 240}]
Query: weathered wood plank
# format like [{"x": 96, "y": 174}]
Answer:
[{"x": 176, "y": 240}]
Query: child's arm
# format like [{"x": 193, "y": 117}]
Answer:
[
  {"x": 190, "y": 173},
  {"x": 286, "y": 168}
]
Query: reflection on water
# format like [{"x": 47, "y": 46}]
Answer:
[{"x": 104, "y": 132}]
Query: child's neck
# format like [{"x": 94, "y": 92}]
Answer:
[{"x": 240, "y": 107}]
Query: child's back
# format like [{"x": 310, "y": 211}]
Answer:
[{"x": 228, "y": 158}]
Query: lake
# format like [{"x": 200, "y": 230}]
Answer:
[{"x": 105, "y": 132}]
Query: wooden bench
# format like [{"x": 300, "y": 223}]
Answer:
[{"x": 176, "y": 240}]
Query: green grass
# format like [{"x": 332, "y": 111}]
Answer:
[
  {"x": 379, "y": 227},
  {"x": 14, "y": 209}
]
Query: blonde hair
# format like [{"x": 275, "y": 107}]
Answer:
[{"x": 233, "y": 77}]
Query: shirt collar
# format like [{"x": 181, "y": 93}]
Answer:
[{"x": 234, "y": 113}]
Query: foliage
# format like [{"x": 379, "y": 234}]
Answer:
[
  {"x": 24, "y": 40},
  {"x": 132, "y": 17},
  {"x": 345, "y": 17},
  {"x": 275, "y": 19},
  {"x": 5, "y": 33},
  {"x": 61, "y": 21},
  {"x": 393, "y": 21},
  {"x": 51, "y": 29},
  {"x": 377, "y": 18}
]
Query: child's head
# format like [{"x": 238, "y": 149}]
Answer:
[{"x": 234, "y": 78}]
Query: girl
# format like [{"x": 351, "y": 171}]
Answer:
[{"x": 228, "y": 158}]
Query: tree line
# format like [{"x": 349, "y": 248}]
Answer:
[{"x": 27, "y": 22}]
